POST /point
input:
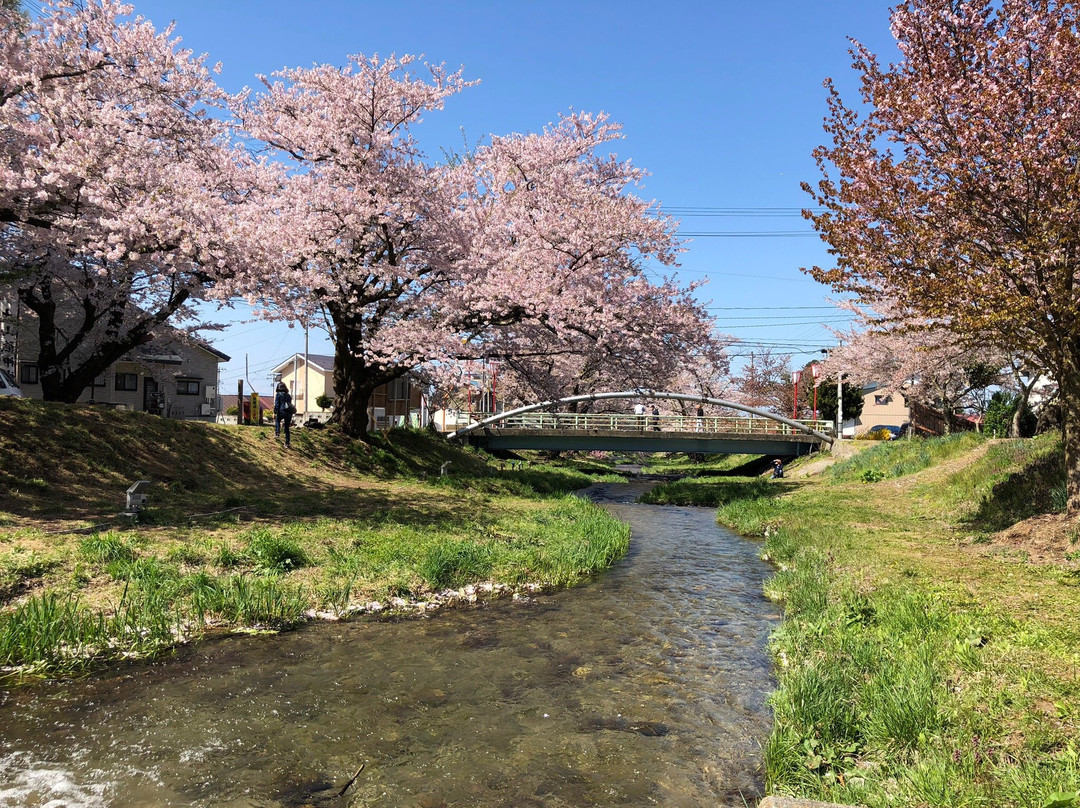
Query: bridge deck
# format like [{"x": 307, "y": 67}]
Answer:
[{"x": 634, "y": 433}]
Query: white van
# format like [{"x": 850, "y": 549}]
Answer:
[{"x": 8, "y": 386}]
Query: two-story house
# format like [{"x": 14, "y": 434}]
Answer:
[
  {"x": 174, "y": 376},
  {"x": 884, "y": 408},
  {"x": 311, "y": 376}
]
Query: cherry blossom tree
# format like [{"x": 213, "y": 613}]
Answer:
[
  {"x": 117, "y": 189},
  {"x": 953, "y": 187},
  {"x": 765, "y": 382},
  {"x": 925, "y": 362},
  {"x": 530, "y": 245},
  {"x": 659, "y": 337}
]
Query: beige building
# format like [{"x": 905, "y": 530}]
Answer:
[
  {"x": 881, "y": 408},
  {"x": 394, "y": 404},
  {"x": 884, "y": 408}
]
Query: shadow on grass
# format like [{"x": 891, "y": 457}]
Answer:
[
  {"x": 75, "y": 462},
  {"x": 1036, "y": 489}
]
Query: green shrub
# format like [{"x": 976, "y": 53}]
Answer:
[
  {"x": 454, "y": 563},
  {"x": 103, "y": 548},
  {"x": 275, "y": 552}
]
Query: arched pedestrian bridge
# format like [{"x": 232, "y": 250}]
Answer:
[{"x": 542, "y": 426}]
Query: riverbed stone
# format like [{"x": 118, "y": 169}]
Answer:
[{"x": 795, "y": 802}]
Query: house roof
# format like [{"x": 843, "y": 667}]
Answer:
[
  {"x": 222, "y": 357},
  {"x": 321, "y": 362},
  {"x": 266, "y": 402}
]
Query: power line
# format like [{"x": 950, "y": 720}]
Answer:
[
  {"x": 750, "y": 234},
  {"x": 764, "y": 212},
  {"x": 746, "y": 275},
  {"x": 803, "y": 319},
  {"x": 769, "y": 308}
]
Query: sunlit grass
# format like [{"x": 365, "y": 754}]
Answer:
[{"x": 912, "y": 671}]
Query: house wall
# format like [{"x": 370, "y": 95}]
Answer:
[
  {"x": 881, "y": 409},
  {"x": 392, "y": 402},
  {"x": 320, "y": 381},
  {"x": 160, "y": 384}
]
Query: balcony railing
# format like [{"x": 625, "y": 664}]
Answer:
[{"x": 620, "y": 422}]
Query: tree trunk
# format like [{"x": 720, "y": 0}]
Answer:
[
  {"x": 353, "y": 387},
  {"x": 63, "y": 377},
  {"x": 1069, "y": 386}
]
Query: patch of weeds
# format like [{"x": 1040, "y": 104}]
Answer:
[
  {"x": 147, "y": 572},
  {"x": 187, "y": 554},
  {"x": 335, "y": 594},
  {"x": 29, "y": 484},
  {"x": 455, "y": 563},
  {"x": 272, "y": 551},
  {"x": 872, "y": 475},
  {"x": 264, "y": 602},
  {"x": 226, "y": 557},
  {"x": 101, "y": 548}
]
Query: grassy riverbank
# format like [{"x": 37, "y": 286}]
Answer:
[
  {"x": 930, "y": 650},
  {"x": 241, "y": 534}
]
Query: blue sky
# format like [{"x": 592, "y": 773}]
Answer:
[{"x": 721, "y": 102}]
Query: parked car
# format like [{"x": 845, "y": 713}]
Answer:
[
  {"x": 894, "y": 431},
  {"x": 8, "y": 386}
]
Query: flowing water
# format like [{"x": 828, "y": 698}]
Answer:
[{"x": 644, "y": 687}]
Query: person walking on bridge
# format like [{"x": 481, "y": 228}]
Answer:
[
  {"x": 639, "y": 412},
  {"x": 655, "y": 418},
  {"x": 700, "y": 417}
]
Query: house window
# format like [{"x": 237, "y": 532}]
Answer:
[
  {"x": 188, "y": 387},
  {"x": 881, "y": 401},
  {"x": 99, "y": 381},
  {"x": 28, "y": 373},
  {"x": 127, "y": 381}
]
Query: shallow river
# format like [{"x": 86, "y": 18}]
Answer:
[{"x": 645, "y": 687}]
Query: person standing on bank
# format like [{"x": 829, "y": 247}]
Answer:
[{"x": 283, "y": 412}]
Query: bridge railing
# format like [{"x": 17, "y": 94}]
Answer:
[{"x": 620, "y": 422}]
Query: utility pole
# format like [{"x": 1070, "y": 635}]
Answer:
[{"x": 839, "y": 398}]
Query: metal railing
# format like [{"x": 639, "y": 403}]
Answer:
[{"x": 621, "y": 422}]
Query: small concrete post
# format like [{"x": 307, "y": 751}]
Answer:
[{"x": 136, "y": 495}]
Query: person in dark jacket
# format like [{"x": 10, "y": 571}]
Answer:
[
  {"x": 283, "y": 412},
  {"x": 777, "y": 469}
]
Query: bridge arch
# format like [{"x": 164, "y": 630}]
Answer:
[{"x": 642, "y": 393}]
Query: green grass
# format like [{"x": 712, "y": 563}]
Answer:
[
  {"x": 241, "y": 534},
  {"x": 692, "y": 466},
  {"x": 282, "y": 573},
  {"x": 711, "y": 492},
  {"x": 912, "y": 670},
  {"x": 899, "y": 458}
]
